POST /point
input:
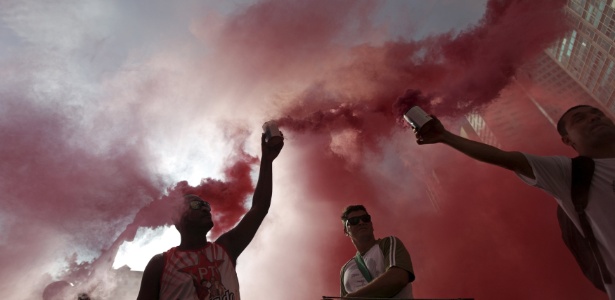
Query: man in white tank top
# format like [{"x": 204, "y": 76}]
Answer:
[{"x": 202, "y": 270}]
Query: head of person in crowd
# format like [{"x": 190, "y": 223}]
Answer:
[
  {"x": 57, "y": 290},
  {"x": 357, "y": 223},
  {"x": 83, "y": 296},
  {"x": 587, "y": 130},
  {"x": 193, "y": 216}
]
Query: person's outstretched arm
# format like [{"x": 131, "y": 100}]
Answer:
[
  {"x": 238, "y": 238},
  {"x": 434, "y": 132}
]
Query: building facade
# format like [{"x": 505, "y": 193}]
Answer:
[
  {"x": 587, "y": 52},
  {"x": 579, "y": 68}
]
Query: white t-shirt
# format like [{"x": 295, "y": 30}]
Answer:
[
  {"x": 387, "y": 252},
  {"x": 554, "y": 175}
]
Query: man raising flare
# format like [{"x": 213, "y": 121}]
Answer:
[
  {"x": 591, "y": 134},
  {"x": 197, "y": 268}
]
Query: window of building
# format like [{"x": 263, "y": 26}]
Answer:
[
  {"x": 602, "y": 42},
  {"x": 571, "y": 43},
  {"x": 577, "y": 6},
  {"x": 481, "y": 129},
  {"x": 594, "y": 13},
  {"x": 608, "y": 79},
  {"x": 561, "y": 51}
]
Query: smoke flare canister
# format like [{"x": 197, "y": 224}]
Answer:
[
  {"x": 273, "y": 136},
  {"x": 417, "y": 117}
]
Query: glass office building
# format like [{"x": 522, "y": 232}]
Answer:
[{"x": 587, "y": 52}]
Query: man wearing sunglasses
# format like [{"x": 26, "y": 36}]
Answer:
[
  {"x": 381, "y": 268},
  {"x": 197, "y": 268}
]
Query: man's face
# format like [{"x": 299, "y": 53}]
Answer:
[
  {"x": 359, "y": 225},
  {"x": 587, "y": 126},
  {"x": 196, "y": 216}
]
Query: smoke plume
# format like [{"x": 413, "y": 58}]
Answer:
[{"x": 112, "y": 109}]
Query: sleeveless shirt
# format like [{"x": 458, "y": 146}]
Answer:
[{"x": 203, "y": 274}]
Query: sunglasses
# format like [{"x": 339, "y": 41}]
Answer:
[
  {"x": 355, "y": 220},
  {"x": 198, "y": 204}
]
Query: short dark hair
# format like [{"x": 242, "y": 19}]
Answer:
[
  {"x": 561, "y": 127},
  {"x": 351, "y": 208},
  {"x": 191, "y": 197}
]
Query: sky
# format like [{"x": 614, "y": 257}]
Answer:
[{"x": 109, "y": 108}]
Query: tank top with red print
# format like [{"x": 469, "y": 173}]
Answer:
[{"x": 203, "y": 274}]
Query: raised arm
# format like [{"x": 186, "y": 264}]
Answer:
[
  {"x": 150, "y": 283},
  {"x": 238, "y": 238},
  {"x": 434, "y": 132}
]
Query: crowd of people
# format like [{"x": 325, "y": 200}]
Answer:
[{"x": 382, "y": 268}]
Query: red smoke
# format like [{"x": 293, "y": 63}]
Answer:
[
  {"x": 64, "y": 199},
  {"x": 486, "y": 235},
  {"x": 473, "y": 230},
  {"x": 60, "y": 197},
  {"x": 227, "y": 199},
  {"x": 459, "y": 72}
]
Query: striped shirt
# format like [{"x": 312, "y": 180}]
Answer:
[
  {"x": 203, "y": 274},
  {"x": 387, "y": 252}
]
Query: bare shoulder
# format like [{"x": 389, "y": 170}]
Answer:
[
  {"x": 150, "y": 283},
  {"x": 155, "y": 264},
  {"x": 157, "y": 258}
]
